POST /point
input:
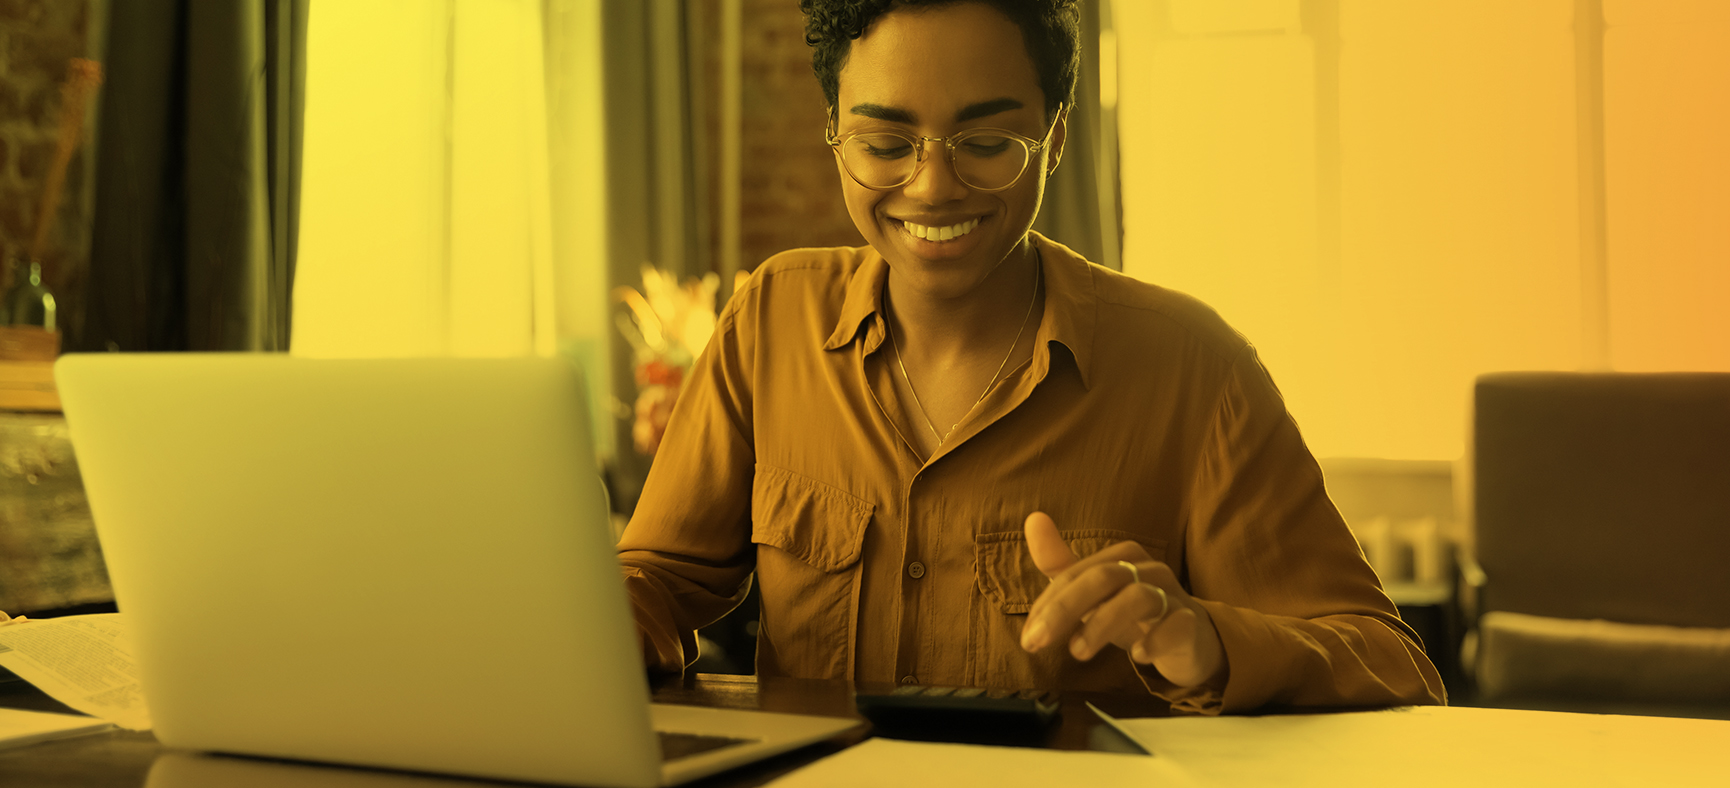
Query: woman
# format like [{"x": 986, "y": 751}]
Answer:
[{"x": 963, "y": 455}]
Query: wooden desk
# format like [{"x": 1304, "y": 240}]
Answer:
[{"x": 123, "y": 759}]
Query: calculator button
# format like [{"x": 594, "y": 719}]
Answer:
[
  {"x": 907, "y": 689},
  {"x": 969, "y": 692}
]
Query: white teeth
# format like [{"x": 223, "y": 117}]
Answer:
[{"x": 940, "y": 233}]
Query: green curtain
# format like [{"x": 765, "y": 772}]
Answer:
[
  {"x": 1081, "y": 206},
  {"x": 197, "y": 184}
]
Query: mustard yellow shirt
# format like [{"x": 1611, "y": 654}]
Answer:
[{"x": 1141, "y": 416}]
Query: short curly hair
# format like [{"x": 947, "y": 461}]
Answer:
[{"x": 1051, "y": 29}]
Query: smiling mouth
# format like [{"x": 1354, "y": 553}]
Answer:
[{"x": 940, "y": 234}]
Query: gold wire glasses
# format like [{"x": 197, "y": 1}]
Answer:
[{"x": 989, "y": 160}]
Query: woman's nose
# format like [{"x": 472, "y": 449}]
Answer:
[{"x": 935, "y": 182}]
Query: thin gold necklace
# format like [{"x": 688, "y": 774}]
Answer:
[{"x": 1038, "y": 275}]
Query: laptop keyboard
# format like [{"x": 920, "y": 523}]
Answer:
[{"x": 684, "y": 745}]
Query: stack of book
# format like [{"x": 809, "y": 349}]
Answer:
[{"x": 27, "y": 356}]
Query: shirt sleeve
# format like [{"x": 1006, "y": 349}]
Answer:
[
  {"x": 1300, "y": 613},
  {"x": 687, "y": 554}
]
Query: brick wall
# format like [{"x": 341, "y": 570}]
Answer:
[
  {"x": 791, "y": 192},
  {"x": 37, "y": 39}
]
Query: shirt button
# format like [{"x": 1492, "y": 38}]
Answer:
[
  {"x": 909, "y": 680},
  {"x": 916, "y": 570}
]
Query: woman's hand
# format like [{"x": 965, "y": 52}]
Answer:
[{"x": 1096, "y": 601}]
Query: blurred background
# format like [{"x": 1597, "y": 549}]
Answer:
[{"x": 1388, "y": 199}]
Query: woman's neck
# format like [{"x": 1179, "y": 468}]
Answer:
[{"x": 949, "y": 332}]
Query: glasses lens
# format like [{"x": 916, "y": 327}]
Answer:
[
  {"x": 879, "y": 160},
  {"x": 986, "y": 160},
  {"x": 989, "y": 161}
]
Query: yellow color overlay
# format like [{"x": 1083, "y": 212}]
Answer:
[{"x": 1437, "y": 233}]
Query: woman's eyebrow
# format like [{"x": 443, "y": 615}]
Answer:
[
  {"x": 880, "y": 112},
  {"x": 987, "y": 108},
  {"x": 969, "y": 112}
]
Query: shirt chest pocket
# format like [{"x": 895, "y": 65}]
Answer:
[
  {"x": 809, "y": 537},
  {"x": 1008, "y": 583}
]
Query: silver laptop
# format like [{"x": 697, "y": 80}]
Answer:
[{"x": 393, "y": 563}]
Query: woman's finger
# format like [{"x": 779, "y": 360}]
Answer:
[
  {"x": 1122, "y": 551},
  {"x": 1050, "y": 553},
  {"x": 1064, "y": 606},
  {"x": 1125, "y": 618}
]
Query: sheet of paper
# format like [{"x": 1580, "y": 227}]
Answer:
[
  {"x": 880, "y": 762},
  {"x": 1435, "y": 746},
  {"x": 18, "y": 727},
  {"x": 81, "y": 661}
]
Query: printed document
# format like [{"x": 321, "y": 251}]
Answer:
[
  {"x": 1417, "y": 747},
  {"x": 82, "y": 661}
]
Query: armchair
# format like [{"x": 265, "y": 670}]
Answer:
[{"x": 1602, "y": 542}]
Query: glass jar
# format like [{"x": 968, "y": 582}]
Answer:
[{"x": 27, "y": 302}]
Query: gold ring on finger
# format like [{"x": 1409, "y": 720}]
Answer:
[
  {"x": 1135, "y": 579},
  {"x": 1164, "y": 603}
]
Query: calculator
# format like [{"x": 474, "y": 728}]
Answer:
[{"x": 959, "y": 714}]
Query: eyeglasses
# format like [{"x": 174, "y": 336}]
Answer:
[{"x": 989, "y": 160}]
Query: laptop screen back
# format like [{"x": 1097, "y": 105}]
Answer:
[{"x": 400, "y": 563}]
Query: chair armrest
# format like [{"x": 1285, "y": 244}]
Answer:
[
  {"x": 1469, "y": 586},
  {"x": 1470, "y": 583}
]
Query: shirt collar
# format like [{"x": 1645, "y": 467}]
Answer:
[
  {"x": 864, "y": 301},
  {"x": 1071, "y": 306}
]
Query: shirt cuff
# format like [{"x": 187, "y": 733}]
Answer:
[{"x": 1205, "y": 698}]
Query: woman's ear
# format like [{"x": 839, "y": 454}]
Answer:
[{"x": 1059, "y": 134}]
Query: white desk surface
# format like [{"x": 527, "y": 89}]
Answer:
[
  {"x": 1443, "y": 746},
  {"x": 1412, "y": 747}
]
